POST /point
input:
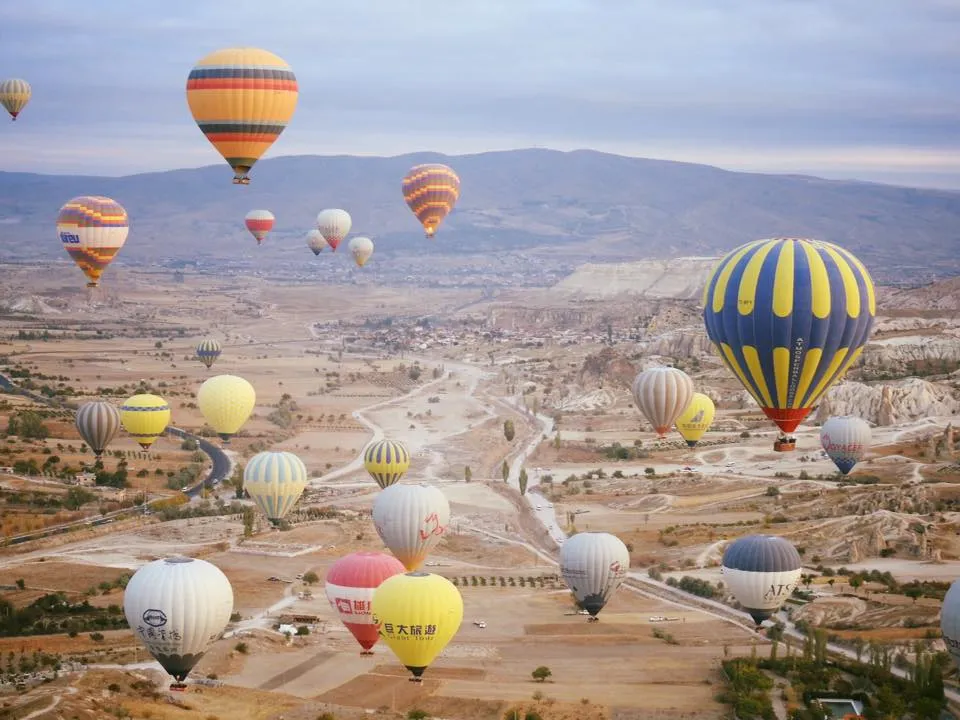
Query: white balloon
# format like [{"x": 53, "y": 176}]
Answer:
[
  {"x": 411, "y": 519},
  {"x": 177, "y": 607},
  {"x": 761, "y": 572},
  {"x": 316, "y": 241},
  {"x": 334, "y": 225},
  {"x": 593, "y": 565},
  {"x": 362, "y": 249},
  {"x": 275, "y": 481},
  {"x": 662, "y": 394},
  {"x": 846, "y": 440}
]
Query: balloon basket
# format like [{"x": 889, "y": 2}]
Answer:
[
  {"x": 416, "y": 680},
  {"x": 178, "y": 687},
  {"x": 785, "y": 444},
  {"x": 366, "y": 653}
]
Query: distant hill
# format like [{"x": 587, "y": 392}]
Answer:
[
  {"x": 680, "y": 278},
  {"x": 576, "y": 206}
]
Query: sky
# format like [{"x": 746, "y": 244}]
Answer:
[{"x": 865, "y": 89}]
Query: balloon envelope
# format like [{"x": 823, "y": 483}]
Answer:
[
  {"x": 846, "y": 440},
  {"x": 316, "y": 242},
  {"x": 696, "y": 418},
  {"x": 98, "y": 423},
  {"x": 761, "y": 572},
  {"x": 411, "y": 519},
  {"x": 275, "y": 481},
  {"x": 361, "y": 248},
  {"x": 242, "y": 99},
  {"x": 418, "y": 614},
  {"x": 145, "y": 417},
  {"x": 334, "y": 224},
  {"x": 950, "y": 621},
  {"x": 259, "y": 223},
  {"x": 177, "y": 607},
  {"x": 92, "y": 229},
  {"x": 662, "y": 393},
  {"x": 593, "y": 565},
  {"x": 351, "y": 582},
  {"x": 14, "y": 95},
  {"x": 387, "y": 461},
  {"x": 789, "y": 317},
  {"x": 226, "y": 402},
  {"x": 208, "y": 350},
  {"x": 431, "y": 191}
]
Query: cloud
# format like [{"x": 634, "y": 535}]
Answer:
[{"x": 782, "y": 85}]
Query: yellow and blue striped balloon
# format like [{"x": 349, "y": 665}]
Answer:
[
  {"x": 789, "y": 317},
  {"x": 208, "y": 350},
  {"x": 387, "y": 461},
  {"x": 275, "y": 481}
]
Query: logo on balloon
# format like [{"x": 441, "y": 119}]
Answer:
[
  {"x": 154, "y": 618},
  {"x": 431, "y": 526},
  {"x": 69, "y": 238}
]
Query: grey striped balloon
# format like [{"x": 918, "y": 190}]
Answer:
[{"x": 98, "y": 423}]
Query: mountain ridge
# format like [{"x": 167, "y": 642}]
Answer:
[{"x": 581, "y": 205}]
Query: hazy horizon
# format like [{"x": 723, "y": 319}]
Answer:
[{"x": 844, "y": 90}]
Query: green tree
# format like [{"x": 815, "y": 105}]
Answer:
[
  {"x": 28, "y": 425},
  {"x": 467, "y": 473},
  {"x": 523, "y": 481},
  {"x": 248, "y": 518},
  {"x": 541, "y": 673},
  {"x": 509, "y": 432},
  {"x": 505, "y": 470},
  {"x": 310, "y": 577}
]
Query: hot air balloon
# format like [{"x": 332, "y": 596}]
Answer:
[
  {"x": 593, "y": 565},
  {"x": 226, "y": 402},
  {"x": 761, "y": 572},
  {"x": 242, "y": 99},
  {"x": 177, "y": 607},
  {"x": 351, "y": 582},
  {"x": 208, "y": 350},
  {"x": 696, "y": 418},
  {"x": 431, "y": 191},
  {"x": 662, "y": 393},
  {"x": 92, "y": 229},
  {"x": 334, "y": 225},
  {"x": 14, "y": 95},
  {"x": 789, "y": 317},
  {"x": 410, "y": 519},
  {"x": 845, "y": 439},
  {"x": 145, "y": 417},
  {"x": 418, "y": 614},
  {"x": 361, "y": 248},
  {"x": 387, "y": 461},
  {"x": 275, "y": 481},
  {"x": 98, "y": 423},
  {"x": 950, "y": 621},
  {"x": 259, "y": 223},
  {"x": 316, "y": 241}
]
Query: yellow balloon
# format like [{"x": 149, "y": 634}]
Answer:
[
  {"x": 696, "y": 418},
  {"x": 145, "y": 417},
  {"x": 226, "y": 402},
  {"x": 418, "y": 614}
]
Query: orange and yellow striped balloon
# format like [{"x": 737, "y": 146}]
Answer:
[
  {"x": 92, "y": 229},
  {"x": 242, "y": 99},
  {"x": 431, "y": 191}
]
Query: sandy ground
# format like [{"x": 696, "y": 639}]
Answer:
[{"x": 450, "y": 418}]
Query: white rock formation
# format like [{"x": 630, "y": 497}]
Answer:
[
  {"x": 679, "y": 278},
  {"x": 906, "y": 400}
]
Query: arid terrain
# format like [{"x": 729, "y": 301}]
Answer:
[{"x": 441, "y": 370}]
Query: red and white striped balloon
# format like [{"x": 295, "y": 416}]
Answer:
[
  {"x": 259, "y": 223},
  {"x": 351, "y": 582}
]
